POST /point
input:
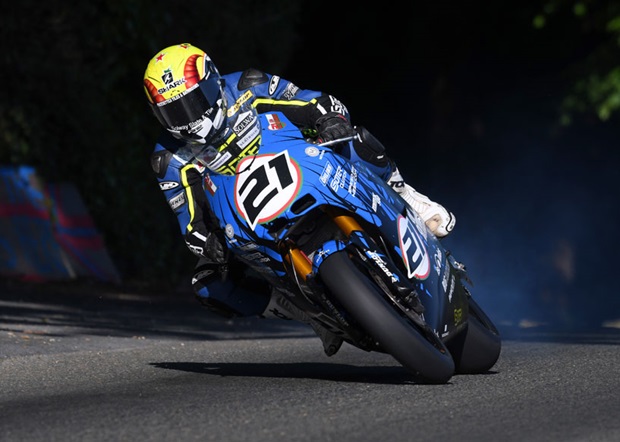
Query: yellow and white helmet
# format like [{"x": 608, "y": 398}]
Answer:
[{"x": 185, "y": 92}]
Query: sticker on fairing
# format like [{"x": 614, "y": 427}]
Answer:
[
  {"x": 274, "y": 122},
  {"x": 312, "y": 151},
  {"x": 267, "y": 187},
  {"x": 414, "y": 254}
]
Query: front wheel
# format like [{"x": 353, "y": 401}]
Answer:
[
  {"x": 427, "y": 359},
  {"x": 476, "y": 349}
]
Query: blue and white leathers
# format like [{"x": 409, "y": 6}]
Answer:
[{"x": 183, "y": 177}]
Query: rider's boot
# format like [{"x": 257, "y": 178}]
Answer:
[
  {"x": 437, "y": 218},
  {"x": 280, "y": 307}
]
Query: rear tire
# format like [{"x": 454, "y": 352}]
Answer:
[
  {"x": 477, "y": 348},
  {"x": 429, "y": 362}
]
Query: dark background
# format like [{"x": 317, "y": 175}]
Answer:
[{"x": 467, "y": 96}]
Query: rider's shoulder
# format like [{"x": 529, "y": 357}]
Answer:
[
  {"x": 251, "y": 77},
  {"x": 162, "y": 156}
]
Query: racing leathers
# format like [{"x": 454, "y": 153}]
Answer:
[{"x": 224, "y": 285}]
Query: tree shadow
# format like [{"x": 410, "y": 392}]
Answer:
[{"x": 96, "y": 312}]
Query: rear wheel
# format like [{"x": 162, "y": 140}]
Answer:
[
  {"x": 476, "y": 349},
  {"x": 426, "y": 357}
]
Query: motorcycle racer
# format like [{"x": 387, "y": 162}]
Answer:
[{"x": 211, "y": 123}]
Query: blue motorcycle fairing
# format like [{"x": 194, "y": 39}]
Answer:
[{"x": 289, "y": 177}]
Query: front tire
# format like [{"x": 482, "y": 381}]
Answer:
[
  {"x": 477, "y": 348},
  {"x": 430, "y": 362}
]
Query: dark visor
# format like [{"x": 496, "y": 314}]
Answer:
[{"x": 190, "y": 107}]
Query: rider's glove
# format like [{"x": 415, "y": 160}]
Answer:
[
  {"x": 333, "y": 126},
  {"x": 215, "y": 248}
]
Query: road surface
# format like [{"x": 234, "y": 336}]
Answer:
[{"x": 97, "y": 364}]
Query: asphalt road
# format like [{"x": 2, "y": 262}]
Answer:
[{"x": 95, "y": 364}]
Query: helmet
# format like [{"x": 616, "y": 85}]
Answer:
[{"x": 185, "y": 92}]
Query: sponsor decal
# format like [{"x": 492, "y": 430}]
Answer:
[
  {"x": 381, "y": 263},
  {"x": 232, "y": 110},
  {"x": 220, "y": 161},
  {"x": 417, "y": 220},
  {"x": 312, "y": 151},
  {"x": 169, "y": 81},
  {"x": 458, "y": 316},
  {"x": 336, "y": 181},
  {"x": 167, "y": 185},
  {"x": 327, "y": 171},
  {"x": 290, "y": 91},
  {"x": 438, "y": 259},
  {"x": 337, "y": 106},
  {"x": 244, "y": 120},
  {"x": 248, "y": 138},
  {"x": 451, "y": 289},
  {"x": 177, "y": 201},
  {"x": 273, "y": 84},
  {"x": 353, "y": 182},
  {"x": 267, "y": 187},
  {"x": 210, "y": 185},
  {"x": 273, "y": 122},
  {"x": 413, "y": 251},
  {"x": 376, "y": 202},
  {"x": 444, "y": 280},
  {"x": 178, "y": 96}
]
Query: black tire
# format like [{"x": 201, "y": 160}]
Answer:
[
  {"x": 397, "y": 335},
  {"x": 476, "y": 349}
]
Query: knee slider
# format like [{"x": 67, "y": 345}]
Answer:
[{"x": 369, "y": 148}]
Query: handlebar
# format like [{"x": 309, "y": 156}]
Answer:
[{"x": 336, "y": 141}]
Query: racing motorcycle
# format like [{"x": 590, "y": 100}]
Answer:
[{"x": 343, "y": 247}]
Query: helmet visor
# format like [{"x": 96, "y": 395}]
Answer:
[{"x": 180, "y": 111}]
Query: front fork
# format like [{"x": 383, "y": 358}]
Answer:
[
  {"x": 302, "y": 265},
  {"x": 362, "y": 246}
]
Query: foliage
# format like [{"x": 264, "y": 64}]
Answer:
[
  {"x": 73, "y": 104},
  {"x": 595, "y": 73}
]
